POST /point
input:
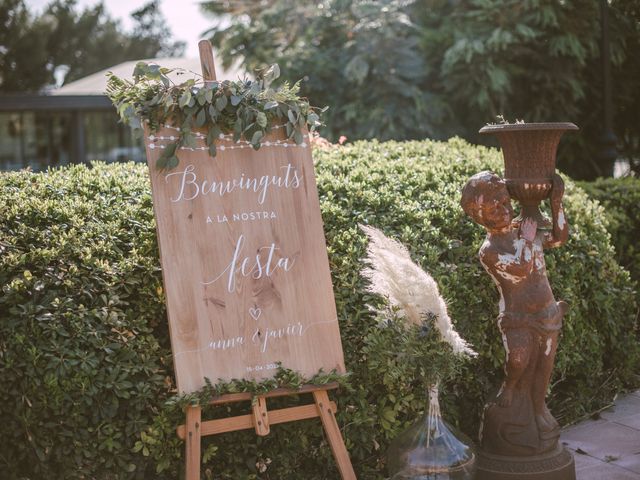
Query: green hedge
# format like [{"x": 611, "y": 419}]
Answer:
[
  {"x": 620, "y": 198},
  {"x": 85, "y": 364}
]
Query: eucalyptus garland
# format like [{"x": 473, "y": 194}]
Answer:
[
  {"x": 246, "y": 109},
  {"x": 283, "y": 378}
]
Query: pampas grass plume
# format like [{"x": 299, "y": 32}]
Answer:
[{"x": 392, "y": 274}]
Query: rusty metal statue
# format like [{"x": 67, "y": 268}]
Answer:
[{"x": 519, "y": 436}]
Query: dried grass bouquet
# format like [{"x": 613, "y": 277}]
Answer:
[{"x": 415, "y": 311}]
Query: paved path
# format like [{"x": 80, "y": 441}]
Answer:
[{"x": 608, "y": 448}]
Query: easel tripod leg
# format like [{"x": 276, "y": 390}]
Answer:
[
  {"x": 333, "y": 435},
  {"x": 192, "y": 443}
]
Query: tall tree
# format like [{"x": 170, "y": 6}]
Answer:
[
  {"x": 361, "y": 58},
  {"x": 23, "y": 49},
  {"x": 31, "y": 47},
  {"x": 436, "y": 68},
  {"x": 626, "y": 82}
]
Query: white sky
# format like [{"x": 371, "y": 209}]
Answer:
[{"x": 183, "y": 17}]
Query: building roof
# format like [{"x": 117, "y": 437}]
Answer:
[{"x": 96, "y": 83}]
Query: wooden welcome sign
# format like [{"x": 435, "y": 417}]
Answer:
[
  {"x": 246, "y": 274},
  {"x": 244, "y": 261}
]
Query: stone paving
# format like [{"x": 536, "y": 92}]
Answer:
[{"x": 608, "y": 448}]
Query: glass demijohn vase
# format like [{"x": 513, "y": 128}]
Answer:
[{"x": 430, "y": 450}]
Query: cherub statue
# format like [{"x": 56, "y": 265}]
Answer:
[{"x": 518, "y": 421}]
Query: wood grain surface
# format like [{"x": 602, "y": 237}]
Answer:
[{"x": 244, "y": 261}]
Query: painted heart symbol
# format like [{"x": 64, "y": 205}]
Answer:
[{"x": 255, "y": 313}]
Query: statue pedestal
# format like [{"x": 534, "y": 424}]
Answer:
[{"x": 556, "y": 465}]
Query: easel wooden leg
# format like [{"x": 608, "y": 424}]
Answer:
[
  {"x": 260, "y": 417},
  {"x": 192, "y": 443},
  {"x": 333, "y": 435}
]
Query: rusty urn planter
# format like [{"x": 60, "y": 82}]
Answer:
[{"x": 529, "y": 151}]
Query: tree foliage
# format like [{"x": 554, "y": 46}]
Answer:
[
  {"x": 33, "y": 46},
  {"x": 409, "y": 69},
  {"x": 626, "y": 81},
  {"x": 362, "y": 62}
]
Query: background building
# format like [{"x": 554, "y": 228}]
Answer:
[{"x": 75, "y": 123}]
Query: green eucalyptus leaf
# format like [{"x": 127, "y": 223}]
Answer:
[
  {"x": 128, "y": 111},
  {"x": 201, "y": 96},
  {"x": 189, "y": 139},
  {"x": 313, "y": 119},
  {"x": 216, "y": 131},
  {"x": 243, "y": 114},
  {"x": 270, "y": 104},
  {"x": 135, "y": 124},
  {"x": 153, "y": 71},
  {"x": 212, "y": 134},
  {"x": 275, "y": 71},
  {"x": 237, "y": 131},
  {"x": 185, "y": 98},
  {"x": 170, "y": 150},
  {"x": 140, "y": 70},
  {"x": 257, "y": 136},
  {"x": 261, "y": 119},
  {"x": 270, "y": 74},
  {"x": 167, "y": 153},
  {"x": 235, "y": 100},
  {"x": 221, "y": 102},
  {"x": 255, "y": 88},
  {"x": 201, "y": 117},
  {"x": 161, "y": 163},
  {"x": 172, "y": 162}
]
